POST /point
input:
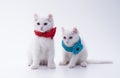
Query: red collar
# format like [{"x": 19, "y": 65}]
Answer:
[{"x": 48, "y": 34}]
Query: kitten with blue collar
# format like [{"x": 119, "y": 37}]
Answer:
[{"x": 74, "y": 50}]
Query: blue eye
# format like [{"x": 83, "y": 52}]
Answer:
[{"x": 70, "y": 37}]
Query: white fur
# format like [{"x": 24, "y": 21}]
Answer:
[
  {"x": 42, "y": 49},
  {"x": 79, "y": 59}
]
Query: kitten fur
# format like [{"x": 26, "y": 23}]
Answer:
[
  {"x": 81, "y": 58},
  {"x": 41, "y": 51}
]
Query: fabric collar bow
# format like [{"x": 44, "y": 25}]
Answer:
[
  {"x": 48, "y": 34},
  {"x": 75, "y": 49}
]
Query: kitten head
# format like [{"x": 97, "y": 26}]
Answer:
[
  {"x": 70, "y": 37},
  {"x": 43, "y": 24}
]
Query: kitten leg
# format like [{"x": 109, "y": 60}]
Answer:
[
  {"x": 30, "y": 61},
  {"x": 35, "y": 64},
  {"x": 51, "y": 63},
  {"x": 66, "y": 59},
  {"x": 29, "y": 57},
  {"x": 36, "y": 59},
  {"x": 83, "y": 61},
  {"x": 83, "y": 58},
  {"x": 73, "y": 61}
]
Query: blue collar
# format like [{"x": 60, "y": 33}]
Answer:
[{"x": 75, "y": 49}]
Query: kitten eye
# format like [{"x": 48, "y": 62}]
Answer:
[
  {"x": 38, "y": 23},
  {"x": 64, "y": 37},
  {"x": 45, "y": 23},
  {"x": 70, "y": 37}
]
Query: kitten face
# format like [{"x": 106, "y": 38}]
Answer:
[
  {"x": 43, "y": 24},
  {"x": 70, "y": 37}
]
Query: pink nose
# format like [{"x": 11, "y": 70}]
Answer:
[
  {"x": 67, "y": 42},
  {"x": 42, "y": 28}
]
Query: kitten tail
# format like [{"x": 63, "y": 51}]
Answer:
[{"x": 99, "y": 62}]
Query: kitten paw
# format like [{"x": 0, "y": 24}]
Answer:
[
  {"x": 52, "y": 66},
  {"x": 71, "y": 66},
  {"x": 83, "y": 64},
  {"x": 29, "y": 64},
  {"x": 62, "y": 63},
  {"x": 34, "y": 67}
]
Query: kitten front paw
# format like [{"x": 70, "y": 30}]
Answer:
[
  {"x": 62, "y": 63},
  {"x": 71, "y": 66},
  {"x": 83, "y": 64},
  {"x": 34, "y": 67},
  {"x": 29, "y": 64},
  {"x": 52, "y": 66}
]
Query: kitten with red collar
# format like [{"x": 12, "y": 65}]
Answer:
[{"x": 42, "y": 49}]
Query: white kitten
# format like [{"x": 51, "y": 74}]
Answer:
[
  {"x": 42, "y": 49},
  {"x": 70, "y": 38},
  {"x": 74, "y": 50}
]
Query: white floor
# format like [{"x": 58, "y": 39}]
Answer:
[
  {"x": 93, "y": 71},
  {"x": 97, "y": 20}
]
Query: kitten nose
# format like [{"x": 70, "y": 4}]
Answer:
[
  {"x": 41, "y": 28},
  {"x": 67, "y": 42}
]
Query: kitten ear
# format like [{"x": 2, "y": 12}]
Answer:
[
  {"x": 50, "y": 17},
  {"x": 75, "y": 30},
  {"x": 36, "y": 17}
]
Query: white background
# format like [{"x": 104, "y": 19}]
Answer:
[{"x": 97, "y": 20}]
